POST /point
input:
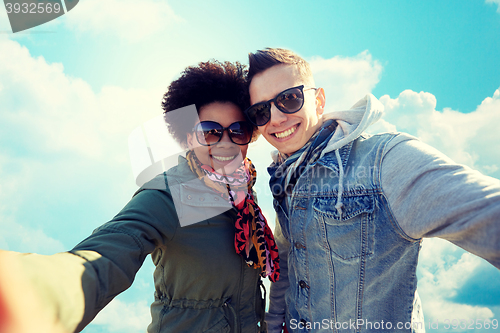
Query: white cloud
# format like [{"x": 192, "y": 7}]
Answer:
[
  {"x": 345, "y": 77},
  {"x": 59, "y": 139},
  {"x": 444, "y": 271},
  {"x": 64, "y": 154},
  {"x": 26, "y": 239},
  {"x": 128, "y": 19},
  {"x": 497, "y": 2},
  {"x": 465, "y": 137},
  {"x": 55, "y": 112},
  {"x": 119, "y": 316}
]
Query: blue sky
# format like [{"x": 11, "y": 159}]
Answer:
[{"x": 73, "y": 90}]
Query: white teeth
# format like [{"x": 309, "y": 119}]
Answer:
[
  {"x": 286, "y": 133},
  {"x": 224, "y": 158}
]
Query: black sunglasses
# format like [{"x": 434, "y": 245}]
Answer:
[
  {"x": 288, "y": 101},
  {"x": 209, "y": 133}
]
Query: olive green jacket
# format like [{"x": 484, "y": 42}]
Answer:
[{"x": 201, "y": 284}]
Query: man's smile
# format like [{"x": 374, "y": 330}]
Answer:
[{"x": 286, "y": 133}]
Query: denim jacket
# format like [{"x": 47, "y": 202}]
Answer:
[{"x": 353, "y": 269}]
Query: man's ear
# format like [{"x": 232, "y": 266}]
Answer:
[{"x": 320, "y": 101}]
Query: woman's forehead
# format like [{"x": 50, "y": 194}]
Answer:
[{"x": 225, "y": 113}]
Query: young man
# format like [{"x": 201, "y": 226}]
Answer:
[{"x": 353, "y": 208}]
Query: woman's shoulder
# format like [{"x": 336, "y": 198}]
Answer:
[{"x": 174, "y": 176}]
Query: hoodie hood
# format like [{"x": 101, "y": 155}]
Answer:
[{"x": 353, "y": 122}]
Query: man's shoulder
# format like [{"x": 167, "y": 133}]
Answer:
[
  {"x": 367, "y": 144},
  {"x": 385, "y": 136},
  {"x": 387, "y": 139}
]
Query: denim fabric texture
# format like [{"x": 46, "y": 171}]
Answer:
[{"x": 342, "y": 267}]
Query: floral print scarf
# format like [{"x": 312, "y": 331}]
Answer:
[{"x": 253, "y": 239}]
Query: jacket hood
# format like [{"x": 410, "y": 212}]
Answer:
[{"x": 353, "y": 122}]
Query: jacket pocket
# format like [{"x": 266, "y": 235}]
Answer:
[{"x": 348, "y": 236}]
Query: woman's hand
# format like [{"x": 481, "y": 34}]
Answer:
[{"x": 20, "y": 308}]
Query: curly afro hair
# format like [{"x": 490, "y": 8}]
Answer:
[{"x": 209, "y": 82}]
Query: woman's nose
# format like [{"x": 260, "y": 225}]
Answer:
[{"x": 225, "y": 140}]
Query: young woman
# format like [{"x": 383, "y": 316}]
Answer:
[{"x": 199, "y": 220}]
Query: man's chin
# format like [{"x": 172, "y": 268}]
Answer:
[{"x": 287, "y": 149}]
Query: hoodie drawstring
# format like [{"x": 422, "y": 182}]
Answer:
[{"x": 339, "y": 204}]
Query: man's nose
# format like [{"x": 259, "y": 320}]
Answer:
[{"x": 277, "y": 117}]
